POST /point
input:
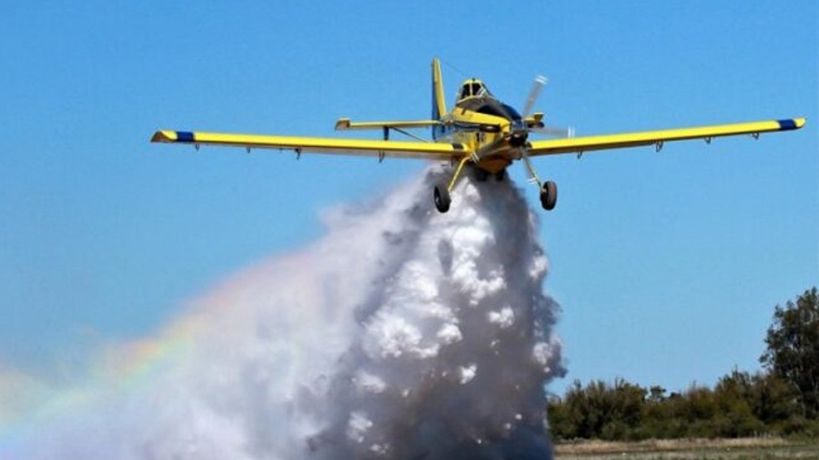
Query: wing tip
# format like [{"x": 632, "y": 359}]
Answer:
[
  {"x": 342, "y": 123},
  {"x": 168, "y": 136},
  {"x": 164, "y": 136},
  {"x": 788, "y": 124}
]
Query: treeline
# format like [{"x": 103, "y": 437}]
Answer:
[
  {"x": 739, "y": 405},
  {"x": 782, "y": 400}
]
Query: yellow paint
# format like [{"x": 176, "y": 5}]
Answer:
[{"x": 438, "y": 87}]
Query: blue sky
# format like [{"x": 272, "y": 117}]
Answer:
[{"x": 667, "y": 264}]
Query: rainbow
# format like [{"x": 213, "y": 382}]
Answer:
[{"x": 124, "y": 369}]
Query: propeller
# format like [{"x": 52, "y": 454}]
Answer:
[
  {"x": 534, "y": 93},
  {"x": 520, "y": 130},
  {"x": 554, "y": 132}
]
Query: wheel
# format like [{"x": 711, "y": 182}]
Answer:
[
  {"x": 548, "y": 195},
  {"x": 481, "y": 174},
  {"x": 442, "y": 199},
  {"x": 500, "y": 176}
]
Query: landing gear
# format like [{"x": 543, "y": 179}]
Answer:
[
  {"x": 548, "y": 189},
  {"x": 441, "y": 192},
  {"x": 548, "y": 195},
  {"x": 442, "y": 198}
]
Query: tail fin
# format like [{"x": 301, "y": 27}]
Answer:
[{"x": 438, "y": 100}]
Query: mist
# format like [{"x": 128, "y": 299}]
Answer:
[{"x": 401, "y": 333}]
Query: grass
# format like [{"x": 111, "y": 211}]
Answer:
[{"x": 690, "y": 449}]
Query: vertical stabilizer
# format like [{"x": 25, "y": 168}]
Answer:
[{"x": 438, "y": 101}]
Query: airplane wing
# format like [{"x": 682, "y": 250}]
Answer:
[
  {"x": 581, "y": 145},
  {"x": 376, "y": 148}
]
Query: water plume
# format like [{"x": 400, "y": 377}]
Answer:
[{"x": 400, "y": 334}]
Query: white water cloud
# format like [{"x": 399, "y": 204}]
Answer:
[{"x": 402, "y": 333}]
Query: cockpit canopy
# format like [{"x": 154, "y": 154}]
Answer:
[{"x": 471, "y": 88}]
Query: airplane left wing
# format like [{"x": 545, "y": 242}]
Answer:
[
  {"x": 375, "y": 148},
  {"x": 580, "y": 145}
]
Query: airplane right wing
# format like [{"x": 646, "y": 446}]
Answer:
[{"x": 375, "y": 148}]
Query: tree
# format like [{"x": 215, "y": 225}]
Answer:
[
  {"x": 793, "y": 349},
  {"x": 598, "y": 410}
]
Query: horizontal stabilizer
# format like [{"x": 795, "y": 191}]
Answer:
[{"x": 346, "y": 123}]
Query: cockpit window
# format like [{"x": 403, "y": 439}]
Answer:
[
  {"x": 477, "y": 89},
  {"x": 465, "y": 91},
  {"x": 473, "y": 88}
]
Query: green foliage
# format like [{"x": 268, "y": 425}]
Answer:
[
  {"x": 624, "y": 411},
  {"x": 793, "y": 349},
  {"x": 782, "y": 401},
  {"x": 599, "y": 410}
]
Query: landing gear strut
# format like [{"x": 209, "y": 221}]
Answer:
[
  {"x": 443, "y": 199},
  {"x": 441, "y": 191}
]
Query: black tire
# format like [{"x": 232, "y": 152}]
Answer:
[
  {"x": 500, "y": 176},
  {"x": 442, "y": 198},
  {"x": 548, "y": 195},
  {"x": 481, "y": 175}
]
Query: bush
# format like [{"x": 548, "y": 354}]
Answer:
[
  {"x": 784, "y": 400},
  {"x": 740, "y": 405}
]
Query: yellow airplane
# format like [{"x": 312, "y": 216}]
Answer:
[{"x": 480, "y": 132}]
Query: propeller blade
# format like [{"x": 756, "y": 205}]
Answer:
[
  {"x": 537, "y": 86},
  {"x": 554, "y": 132}
]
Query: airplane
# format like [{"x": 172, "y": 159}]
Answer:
[{"x": 480, "y": 133}]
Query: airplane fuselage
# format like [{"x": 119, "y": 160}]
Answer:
[{"x": 483, "y": 124}]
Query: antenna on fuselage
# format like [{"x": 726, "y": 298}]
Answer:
[{"x": 457, "y": 70}]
